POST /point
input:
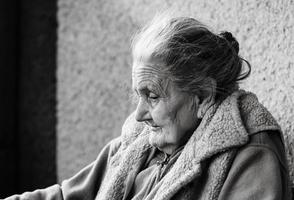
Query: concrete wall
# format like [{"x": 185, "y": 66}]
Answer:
[{"x": 94, "y": 64}]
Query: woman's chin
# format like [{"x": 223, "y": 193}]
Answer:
[{"x": 157, "y": 139}]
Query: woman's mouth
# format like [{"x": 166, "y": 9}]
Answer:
[{"x": 154, "y": 128}]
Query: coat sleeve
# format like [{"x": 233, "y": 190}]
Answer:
[
  {"x": 84, "y": 185},
  {"x": 258, "y": 172}
]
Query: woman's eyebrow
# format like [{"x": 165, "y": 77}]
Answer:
[{"x": 143, "y": 89}]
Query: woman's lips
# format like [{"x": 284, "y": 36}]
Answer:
[{"x": 154, "y": 128}]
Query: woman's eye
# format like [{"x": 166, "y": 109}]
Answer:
[{"x": 153, "y": 97}]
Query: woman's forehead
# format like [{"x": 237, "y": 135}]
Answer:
[
  {"x": 147, "y": 70},
  {"x": 147, "y": 75},
  {"x": 148, "y": 64}
]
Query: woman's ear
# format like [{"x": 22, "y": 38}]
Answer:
[{"x": 208, "y": 99}]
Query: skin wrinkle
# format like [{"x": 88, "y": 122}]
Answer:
[
  {"x": 160, "y": 84},
  {"x": 171, "y": 113}
]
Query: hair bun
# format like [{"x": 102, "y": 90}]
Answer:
[{"x": 231, "y": 39}]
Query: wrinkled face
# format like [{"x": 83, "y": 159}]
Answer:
[{"x": 169, "y": 113}]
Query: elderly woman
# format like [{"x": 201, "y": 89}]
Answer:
[{"x": 194, "y": 134}]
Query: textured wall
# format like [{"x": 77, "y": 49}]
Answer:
[{"x": 94, "y": 64}]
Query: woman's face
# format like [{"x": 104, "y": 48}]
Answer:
[{"x": 169, "y": 113}]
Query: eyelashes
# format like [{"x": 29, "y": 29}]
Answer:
[
  {"x": 148, "y": 96},
  {"x": 153, "y": 98}
]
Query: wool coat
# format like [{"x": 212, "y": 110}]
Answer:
[{"x": 236, "y": 152}]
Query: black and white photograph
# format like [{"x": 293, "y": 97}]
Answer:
[{"x": 147, "y": 100}]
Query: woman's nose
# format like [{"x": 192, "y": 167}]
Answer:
[{"x": 142, "y": 112}]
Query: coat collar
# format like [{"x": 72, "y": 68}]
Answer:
[{"x": 224, "y": 126}]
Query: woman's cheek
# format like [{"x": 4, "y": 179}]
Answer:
[
  {"x": 156, "y": 116},
  {"x": 160, "y": 114}
]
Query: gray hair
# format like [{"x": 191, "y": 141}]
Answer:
[{"x": 192, "y": 54}]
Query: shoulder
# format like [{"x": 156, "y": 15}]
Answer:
[
  {"x": 264, "y": 150},
  {"x": 269, "y": 143},
  {"x": 259, "y": 169}
]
